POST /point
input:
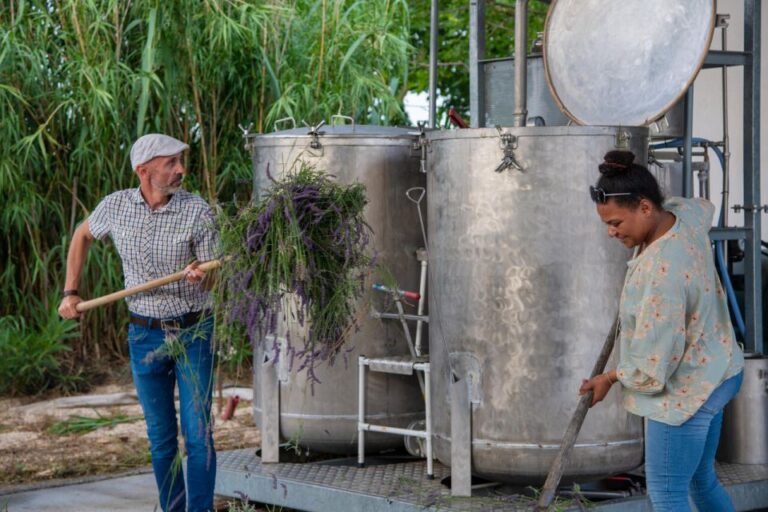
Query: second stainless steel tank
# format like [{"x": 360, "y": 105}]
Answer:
[
  {"x": 524, "y": 284},
  {"x": 385, "y": 161}
]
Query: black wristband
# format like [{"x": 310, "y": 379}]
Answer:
[{"x": 71, "y": 293}]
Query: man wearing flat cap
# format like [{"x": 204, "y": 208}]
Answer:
[{"x": 159, "y": 228}]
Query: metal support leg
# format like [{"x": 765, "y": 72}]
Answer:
[
  {"x": 408, "y": 339},
  {"x": 361, "y": 412},
  {"x": 270, "y": 411},
  {"x": 461, "y": 438},
  {"x": 428, "y": 414}
]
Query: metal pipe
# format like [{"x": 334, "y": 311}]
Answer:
[
  {"x": 428, "y": 413},
  {"x": 476, "y": 55},
  {"x": 407, "y": 331},
  {"x": 420, "y": 307},
  {"x": 521, "y": 62},
  {"x": 433, "y": 32},
  {"x": 688, "y": 145},
  {"x": 752, "y": 221},
  {"x": 394, "y": 316},
  {"x": 726, "y": 137},
  {"x": 361, "y": 412},
  {"x": 703, "y": 174},
  {"x": 394, "y": 430}
]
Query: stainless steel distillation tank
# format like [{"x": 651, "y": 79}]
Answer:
[
  {"x": 524, "y": 284},
  {"x": 385, "y": 161}
]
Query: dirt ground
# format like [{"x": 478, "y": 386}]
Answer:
[{"x": 30, "y": 452}]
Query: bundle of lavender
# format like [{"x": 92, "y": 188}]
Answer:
[{"x": 304, "y": 243}]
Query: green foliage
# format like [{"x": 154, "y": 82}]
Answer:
[
  {"x": 83, "y": 424},
  {"x": 29, "y": 359},
  {"x": 79, "y": 81},
  {"x": 453, "y": 44}
]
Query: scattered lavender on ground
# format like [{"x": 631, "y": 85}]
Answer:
[{"x": 298, "y": 254}]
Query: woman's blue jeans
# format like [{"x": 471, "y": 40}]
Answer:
[
  {"x": 681, "y": 459},
  {"x": 158, "y": 363}
]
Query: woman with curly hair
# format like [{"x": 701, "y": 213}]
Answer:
[{"x": 679, "y": 363}]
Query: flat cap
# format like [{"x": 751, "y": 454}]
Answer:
[{"x": 151, "y": 145}]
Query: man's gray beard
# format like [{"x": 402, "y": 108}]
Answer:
[{"x": 168, "y": 191}]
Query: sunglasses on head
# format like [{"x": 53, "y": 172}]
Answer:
[{"x": 598, "y": 195}]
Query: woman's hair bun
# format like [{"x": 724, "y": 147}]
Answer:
[{"x": 617, "y": 161}]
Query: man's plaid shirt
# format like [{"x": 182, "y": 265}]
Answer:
[{"x": 155, "y": 243}]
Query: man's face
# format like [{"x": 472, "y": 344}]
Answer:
[{"x": 165, "y": 173}]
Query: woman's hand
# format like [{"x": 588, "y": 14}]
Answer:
[{"x": 599, "y": 385}]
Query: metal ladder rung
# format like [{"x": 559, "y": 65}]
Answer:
[
  {"x": 403, "y": 365},
  {"x": 398, "y": 365}
]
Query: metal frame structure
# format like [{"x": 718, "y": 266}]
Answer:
[
  {"x": 393, "y": 485},
  {"x": 400, "y": 485},
  {"x": 401, "y": 366},
  {"x": 749, "y": 59}
]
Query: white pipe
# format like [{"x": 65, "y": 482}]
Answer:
[
  {"x": 395, "y": 430},
  {"x": 428, "y": 414},
  {"x": 361, "y": 412},
  {"x": 420, "y": 307}
]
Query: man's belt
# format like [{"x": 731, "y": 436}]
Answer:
[{"x": 181, "y": 322}]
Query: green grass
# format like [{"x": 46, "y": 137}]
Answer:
[{"x": 82, "y": 424}]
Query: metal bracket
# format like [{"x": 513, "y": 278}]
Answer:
[
  {"x": 754, "y": 208},
  {"x": 461, "y": 437},
  {"x": 270, "y": 402},
  {"x": 508, "y": 144},
  {"x": 622, "y": 138},
  {"x": 721, "y": 20},
  {"x": 421, "y": 145},
  {"x": 246, "y": 131},
  {"x": 314, "y": 132},
  {"x": 466, "y": 367}
]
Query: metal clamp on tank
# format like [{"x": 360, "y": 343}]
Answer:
[
  {"x": 508, "y": 145},
  {"x": 315, "y": 134},
  {"x": 421, "y": 145},
  {"x": 623, "y": 138}
]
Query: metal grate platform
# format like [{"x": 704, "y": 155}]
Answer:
[{"x": 399, "y": 484}]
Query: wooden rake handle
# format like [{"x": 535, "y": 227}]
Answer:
[
  {"x": 572, "y": 432},
  {"x": 172, "y": 278}
]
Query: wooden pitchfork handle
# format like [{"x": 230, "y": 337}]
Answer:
[
  {"x": 569, "y": 439},
  {"x": 112, "y": 297}
]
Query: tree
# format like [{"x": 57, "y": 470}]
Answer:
[
  {"x": 453, "y": 68},
  {"x": 80, "y": 81}
]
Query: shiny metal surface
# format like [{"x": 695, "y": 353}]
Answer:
[
  {"x": 624, "y": 63},
  {"x": 498, "y": 78},
  {"x": 744, "y": 438},
  {"x": 382, "y": 158},
  {"x": 524, "y": 284}
]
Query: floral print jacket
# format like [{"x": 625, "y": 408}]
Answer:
[{"x": 677, "y": 343}]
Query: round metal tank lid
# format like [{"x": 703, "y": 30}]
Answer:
[
  {"x": 624, "y": 62},
  {"x": 345, "y": 130}
]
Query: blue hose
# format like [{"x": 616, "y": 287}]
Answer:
[{"x": 719, "y": 252}]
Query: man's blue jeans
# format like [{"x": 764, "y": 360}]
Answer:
[
  {"x": 681, "y": 459},
  {"x": 159, "y": 360}
]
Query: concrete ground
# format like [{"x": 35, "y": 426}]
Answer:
[{"x": 135, "y": 493}]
